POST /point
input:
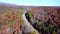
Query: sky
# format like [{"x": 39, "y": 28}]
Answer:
[{"x": 33, "y": 2}]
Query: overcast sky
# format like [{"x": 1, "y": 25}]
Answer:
[{"x": 33, "y": 2}]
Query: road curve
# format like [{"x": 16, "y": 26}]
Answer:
[{"x": 28, "y": 26}]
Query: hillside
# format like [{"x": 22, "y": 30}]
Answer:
[{"x": 41, "y": 19}]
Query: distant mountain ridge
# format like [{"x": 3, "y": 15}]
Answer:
[{"x": 8, "y": 4}]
